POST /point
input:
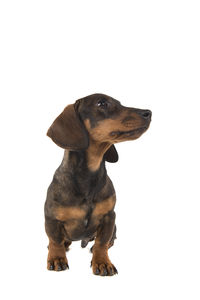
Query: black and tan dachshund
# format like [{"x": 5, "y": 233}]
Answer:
[{"x": 81, "y": 198}]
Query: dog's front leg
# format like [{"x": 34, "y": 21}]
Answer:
[
  {"x": 101, "y": 264},
  {"x": 57, "y": 259}
]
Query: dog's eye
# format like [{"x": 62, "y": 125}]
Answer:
[{"x": 102, "y": 103}]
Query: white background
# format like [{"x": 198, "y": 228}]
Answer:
[{"x": 147, "y": 55}]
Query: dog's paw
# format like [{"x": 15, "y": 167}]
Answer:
[
  {"x": 105, "y": 268},
  {"x": 57, "y": 264}
]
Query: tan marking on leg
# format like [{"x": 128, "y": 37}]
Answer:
[
  {"x": 101, "y": 264},
  {"x": 56, "y": 257}
]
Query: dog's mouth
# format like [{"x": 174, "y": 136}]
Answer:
[{"x": 131, "y": 133}]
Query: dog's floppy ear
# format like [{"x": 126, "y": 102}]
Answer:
[
  {"x": 68, "y": 132},
  {"x": 111, "y": 155}
]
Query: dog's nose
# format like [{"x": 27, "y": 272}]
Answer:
[{"x": 145, "y": 113}]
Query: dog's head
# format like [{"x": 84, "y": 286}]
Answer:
[{"x": 99, "y": 118}]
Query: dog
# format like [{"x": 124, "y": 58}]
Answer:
[{"x": 81, "y": 198}]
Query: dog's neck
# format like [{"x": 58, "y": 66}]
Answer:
[
  {"x": 92, "y": 158},
  {"x": 95, "y": 154}
]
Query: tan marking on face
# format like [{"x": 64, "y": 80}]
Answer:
[
  {"x": 99, "y": 144},
  {"x": 101, "y": 132},
  {"x": 67, "y": 213},
  {"x": 101, "y": 140},
  {"x": 103, "y": 207},
  {"x": 87, "y": 124}
]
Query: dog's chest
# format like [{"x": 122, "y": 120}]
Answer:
[{"x": 82, "y": 221}]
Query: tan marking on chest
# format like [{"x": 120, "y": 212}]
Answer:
[
  {"x": 67, "y": 213},
  {"x": 102, "y": 208}
]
